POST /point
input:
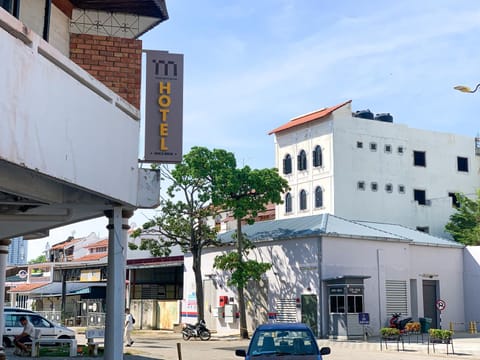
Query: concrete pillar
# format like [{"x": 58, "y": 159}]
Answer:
[
  {"x": 3, "y": 268},
  {"x": 117, "y": 263}
]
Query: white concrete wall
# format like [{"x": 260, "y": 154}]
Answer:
[
  {"x": 59, "y": 121},
  {"x": 346, "y": 165},
  {"x": 471, "y": 282},
  {"x": 295, "y": 269}
]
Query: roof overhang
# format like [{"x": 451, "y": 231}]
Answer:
[
  {"x": 148, "y": 8},
  {"x": 117, "y": 18}
]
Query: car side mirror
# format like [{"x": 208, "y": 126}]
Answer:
[
  {"x": 325, "y": 350},
  {"x": 240, "y": 352}
]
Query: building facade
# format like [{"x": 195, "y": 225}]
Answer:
[
  {"x": 69, "y": 81},
  {"x": 17, "y": 252},
  {"x": 326, "y": 270},
  {"x": 366, "y": 167}
]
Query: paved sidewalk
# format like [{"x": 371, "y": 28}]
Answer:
[{"x": 161, "y": 345}]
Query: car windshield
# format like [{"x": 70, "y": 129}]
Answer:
[{"x": 286, "y": 342}]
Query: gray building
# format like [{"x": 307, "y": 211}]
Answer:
[{"x": 17, "y": 251}]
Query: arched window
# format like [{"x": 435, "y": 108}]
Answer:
[
  {"x": 287, "y": 164},
  {"x": 303, "y": 200},
  {"x": 318, "y": 197},
  {"x": 288, "y": 203},
  {"x": 302, "y": 160},
  {"x": 317, "y": 156}
]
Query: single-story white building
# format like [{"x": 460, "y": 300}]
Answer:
[{"x": 327, "y": 270}]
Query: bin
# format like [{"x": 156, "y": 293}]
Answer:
[{"x": 425, "y": 324}]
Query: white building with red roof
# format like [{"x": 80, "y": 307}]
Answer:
[{"x": 362, "y": 166}]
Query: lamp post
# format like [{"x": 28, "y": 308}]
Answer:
[{"x": 466, "y": 89}]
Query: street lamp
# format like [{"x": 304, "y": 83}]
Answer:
[{"x": 466, "y": 89}]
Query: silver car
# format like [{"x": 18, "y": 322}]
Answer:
[{"x": 49, "y": 329}]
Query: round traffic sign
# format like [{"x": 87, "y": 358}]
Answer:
[{"x": 441, "y": 305}]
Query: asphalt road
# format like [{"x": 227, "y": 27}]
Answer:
[{"x": 164, "y": 346}]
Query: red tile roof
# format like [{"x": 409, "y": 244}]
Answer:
[
  {"x": 92, "y": 257},
  {"x": 27, "y": 287},
  {"x": 64, "y": 244},
  {"x": 101, "y": 243},
  {"x": 316, "y": 115}
]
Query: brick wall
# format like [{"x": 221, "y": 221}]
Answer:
[{"x": 116, "y": 62}]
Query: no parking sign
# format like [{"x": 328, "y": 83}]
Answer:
[{"x": 440, "y": 305}]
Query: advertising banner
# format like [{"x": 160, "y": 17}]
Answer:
[{"x": 163, "y": 107}]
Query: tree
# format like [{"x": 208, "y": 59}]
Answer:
[
  {"x": 182, "y": 219},
  {"x": 245, "y": 192},
  {"x": 38, "y": 260},
  {"x": 464, "y": 224}
]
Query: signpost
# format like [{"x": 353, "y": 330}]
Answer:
[
  {"x": 440, "y": 305},
  {"x": 364, "y": 319}
]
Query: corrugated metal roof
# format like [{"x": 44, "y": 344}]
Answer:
[
  {"x": 416, "y": 236},
  {"x": 55, "y": 288},
  {"x": 331, "y": 225},
  {"x": 316, "y": 115}
]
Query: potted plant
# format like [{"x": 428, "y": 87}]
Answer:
[
  {"x": 412, "y": 328},
  {"x": 389, "y": 333},
  {"x": 440, "y": 336}
]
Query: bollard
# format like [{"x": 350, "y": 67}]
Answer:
[
  {"x": 179, "y": 351},
  {"x": 451, "y": 326},
  {"x": 474, "y": 327}
]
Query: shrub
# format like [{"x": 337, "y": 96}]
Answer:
[
  {"x": 440, "y": 334},
  {"x": 387, "y": 332}
]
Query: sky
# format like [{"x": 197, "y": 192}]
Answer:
[{"x": 251, "y": 66}]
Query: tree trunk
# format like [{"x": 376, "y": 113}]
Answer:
[
  {"x": 197, "y": 270},
  {"x": 241, "y": 296}
]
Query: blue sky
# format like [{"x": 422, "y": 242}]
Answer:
[{"x": 251, "y": 66}]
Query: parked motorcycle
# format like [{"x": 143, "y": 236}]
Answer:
[
  {"x": 198, "y": 330},
  {"x": 396, "y": 322}
]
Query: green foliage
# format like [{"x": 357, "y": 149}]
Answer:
[
  {"x": 389, "y": 332},
  {"x": 38, "y": 260},
  {"x": 464, "y": 224},
  {"x": 246, "y": 192},
  {"x": 241, "y": 271},
  {"x": 440, "y": 334}
]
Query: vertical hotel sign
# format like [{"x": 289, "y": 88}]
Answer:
[{"x": 164, "y": 107}]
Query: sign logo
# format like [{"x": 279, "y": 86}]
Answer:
[{"x": 164, "y": 107}]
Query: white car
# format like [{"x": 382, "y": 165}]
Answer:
[{"x": 49, "y": 329}]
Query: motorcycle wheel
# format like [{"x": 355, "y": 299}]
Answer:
[
  {"x": 204, "y": 335},
  {"x": 186, "y": 336}
]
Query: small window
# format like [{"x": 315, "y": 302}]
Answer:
[
  {"x": 288, "y": 203},
  {"x": 455, "y": 203},
  {"x": 373, "y": 146},
  {"x": 337, "y": 304},
  {"x": 419, "y": 158},
  {"x": 303, "y": 200},
  {"x": 374, "y": 186},
  {"x": 462, "y": 164},
  {"x": 388, "y": 148},
  {"x": 424, "y": 229},
  {"x": 361, "y": 185},
  {"x": 389, "y": 188},
  {"x": 317, "y": 156},
  {"x": 318, "y": 197},
  {"x": 359, "y": 144},
  {"x": 400, "y": 150},
  {"x": 420, "y": 196},
  {"x": 287, "y": 164},
  {"x": 302, "y": 160},
  {"x": 401, "y": 189}
]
